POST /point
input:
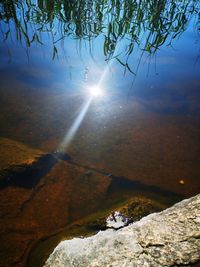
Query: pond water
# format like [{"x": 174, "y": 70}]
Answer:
[{"x": 142, "y": 56}]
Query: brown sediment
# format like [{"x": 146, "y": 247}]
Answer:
[
  {"x": 138, "y": 141},
  {"x": 143, "y": 153}
]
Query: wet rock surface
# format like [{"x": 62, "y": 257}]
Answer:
[{"x": 168, "y": 238}]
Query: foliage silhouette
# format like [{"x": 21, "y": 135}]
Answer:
[{"x": 143, "y": 24}]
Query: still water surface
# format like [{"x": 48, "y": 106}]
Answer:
[{"x": 145, "y": 57}]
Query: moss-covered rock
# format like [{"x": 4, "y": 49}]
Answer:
[{"x": 131, "y": 210}]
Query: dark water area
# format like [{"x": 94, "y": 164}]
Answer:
[{"x": 111, "y": 85}]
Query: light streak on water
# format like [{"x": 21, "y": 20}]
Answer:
[
  {"x": 75, "y": 126},
  {"x": 94, "y": 92}
]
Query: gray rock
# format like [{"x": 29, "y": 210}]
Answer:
[{"x": 168, "y": 238}]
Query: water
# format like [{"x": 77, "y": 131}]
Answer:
[{"x": 145, "y": 57}]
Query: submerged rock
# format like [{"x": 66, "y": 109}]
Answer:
[
  {"x": 27, "y": 175},
  {"x": 168, "y": 238},
  {"x": 40, "y": 194},
  {"x": 14, "y": 153},
  {"x": 22, "y": 166}
]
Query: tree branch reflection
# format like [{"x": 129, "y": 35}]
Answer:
[{"x": 143, "y": 24}]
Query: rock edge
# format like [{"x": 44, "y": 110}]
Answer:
[{"x": 168, "y": 238}]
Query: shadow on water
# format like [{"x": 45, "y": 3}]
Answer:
[
  {"x": 123, "y": 183},
  {"x": 27, "y": 175},
  {"x": 124, "y": 25}
]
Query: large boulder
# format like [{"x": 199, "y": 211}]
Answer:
[{"x": 168, "y": 238}]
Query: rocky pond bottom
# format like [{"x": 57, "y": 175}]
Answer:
[{"x": 49, "y": 197}]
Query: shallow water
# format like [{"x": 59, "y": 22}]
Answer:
[
  {"x": 145, "y": 57},
  {"x": 146, "y": 125}
]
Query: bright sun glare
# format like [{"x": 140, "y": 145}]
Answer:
[{"x": 95, "y": 91}]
